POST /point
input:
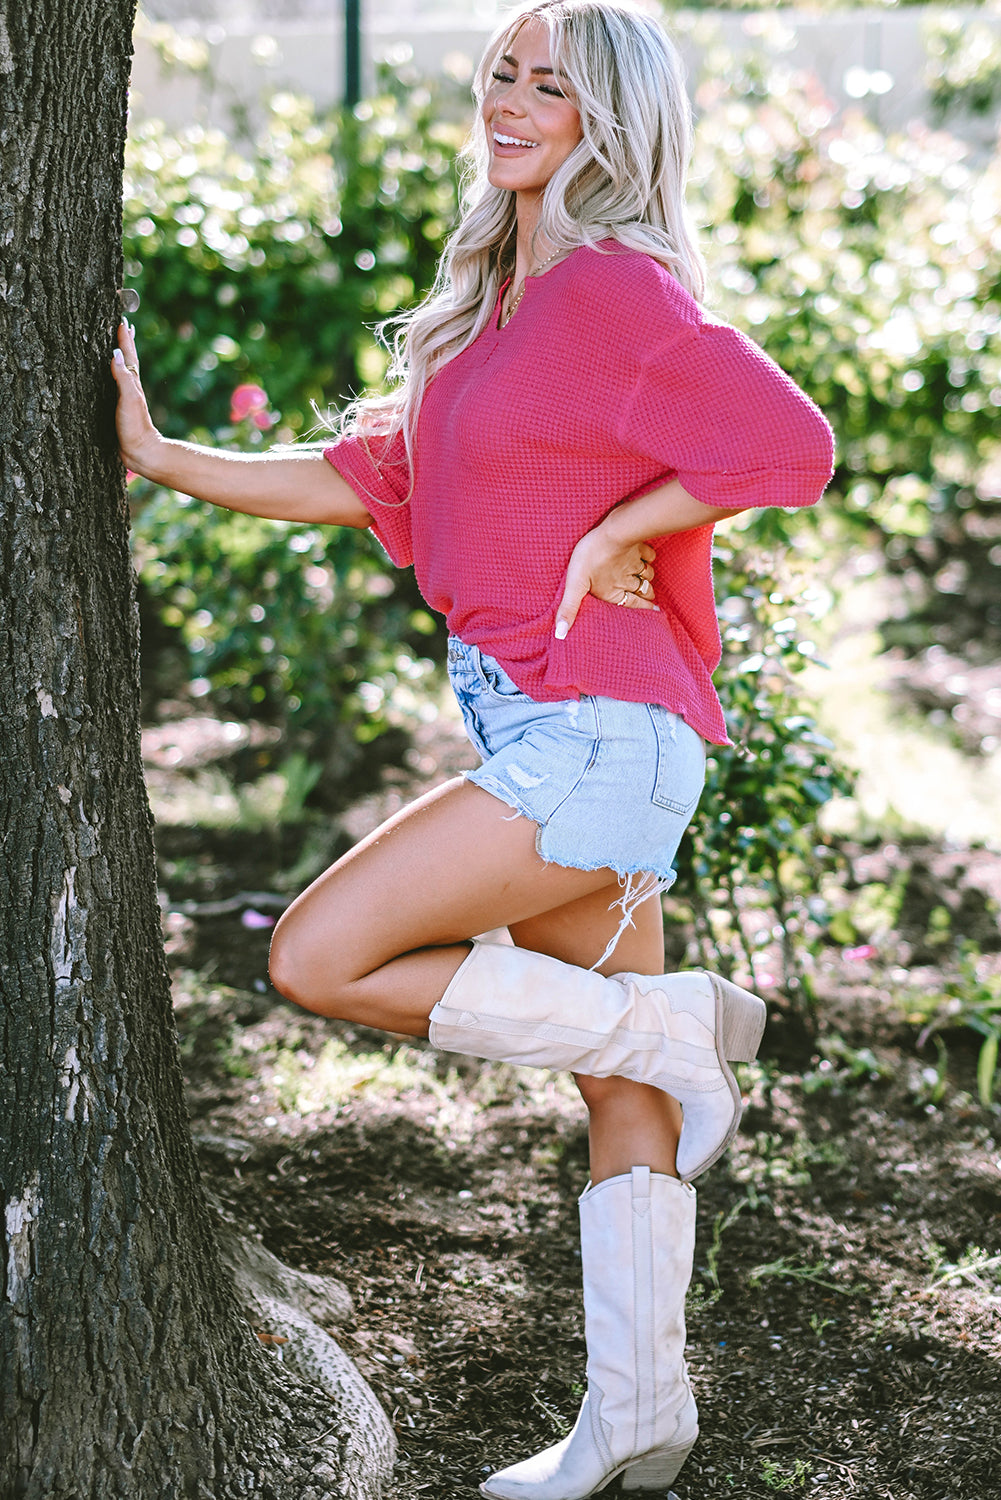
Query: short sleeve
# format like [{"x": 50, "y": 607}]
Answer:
[
  {"x": 379, "y": 473},
  {"x": 714, "y": 410}
]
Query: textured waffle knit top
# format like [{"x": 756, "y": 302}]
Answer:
[{"x": 606, "y": 383}]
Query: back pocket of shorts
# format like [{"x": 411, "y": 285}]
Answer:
[{"x": 681, "y": 762}]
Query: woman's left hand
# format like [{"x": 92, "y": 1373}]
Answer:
[{"x": 618, "y": 572}]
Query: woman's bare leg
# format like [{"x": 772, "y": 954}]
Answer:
[
  {"x": 629, "y": 1124},
  {"x": 379, "y": 936}
]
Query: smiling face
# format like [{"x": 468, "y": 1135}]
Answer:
[{"x": 531, "y": 125}]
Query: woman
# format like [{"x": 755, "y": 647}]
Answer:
[{"x": 564, "y": 432}]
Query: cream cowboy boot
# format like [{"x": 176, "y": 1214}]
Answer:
[
  {"x": 639, "y": 1416},
  {"x": 678, "y": 1032}
]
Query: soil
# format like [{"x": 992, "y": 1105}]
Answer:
[{"x": 845, "y": 1310}]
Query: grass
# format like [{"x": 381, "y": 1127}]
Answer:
[
  {"x": 776, "y": 1476},
  {"x": 208, "y": 798},
  {"x": 698, "y": 1299},
  {"x": 297, "y": 1067},
  {"x": 972, "y": 999},
  {"x": 976, "y": 1269},
  {"x": 909, "y": 775},
  {"x": 306, "y": 1082},
  {"x": 787, "y": 1269}
]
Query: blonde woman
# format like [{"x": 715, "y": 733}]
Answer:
[{"x": 563, "y": 432}]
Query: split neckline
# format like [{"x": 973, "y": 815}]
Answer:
[{"x": 500, "y": 327}]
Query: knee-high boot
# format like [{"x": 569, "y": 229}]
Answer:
[
  {"x": 639, "y": 1417},
  {"x": 677, "y": 1031}
]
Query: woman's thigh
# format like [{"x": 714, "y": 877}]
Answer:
[
  {"x": 453, "y": 864},
  {"x": 578, "y": 932}
]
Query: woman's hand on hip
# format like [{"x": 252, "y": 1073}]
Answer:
[
  {"x": 138, "y": 439},
  {"x": 618, "y": 572}
]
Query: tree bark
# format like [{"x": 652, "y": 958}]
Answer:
[{"x": 126, "y": 1365}]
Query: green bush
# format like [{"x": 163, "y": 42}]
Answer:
[
  {"x": 258, "y": 269},
  {"x": 264, "y": 263},
  {"x": 749, "y": 870},
  {"x": 304, "y": 628},
  {"x": 870, "y": 268},
  {"x": 964, "y": 65}
]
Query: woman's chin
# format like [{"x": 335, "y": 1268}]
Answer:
[{"x": 509, "y": 182}]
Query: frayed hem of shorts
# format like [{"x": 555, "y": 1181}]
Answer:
[{"x": 637, "y": 885}]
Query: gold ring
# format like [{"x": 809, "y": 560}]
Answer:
[{"x": 133, "y": 368}]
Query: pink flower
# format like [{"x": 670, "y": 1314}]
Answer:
[
  {"x": 255, "y": 920},
  {"x": 249, "y": 401},
  {"x": 859, "y": 955}
]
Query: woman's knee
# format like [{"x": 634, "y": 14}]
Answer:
[
  {"x": 284, "y": 969},
  {"x": 304, "y": 971}
]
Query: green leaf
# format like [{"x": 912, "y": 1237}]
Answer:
[{"x": 986, "y": 1067}]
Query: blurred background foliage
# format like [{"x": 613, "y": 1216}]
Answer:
[
  {"x": 869, "y": 268},
  {"x": 259, "y": 267},
  {"x": 267, "y": 258},
  {"x": 964, "y": 65}
]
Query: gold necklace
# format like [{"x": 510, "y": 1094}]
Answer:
[{"x": 513, "y": 306}]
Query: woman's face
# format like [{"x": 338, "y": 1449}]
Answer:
[{"x": 532, "y": 126}]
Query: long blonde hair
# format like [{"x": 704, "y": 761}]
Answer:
[{"x": 625, "y": 181}]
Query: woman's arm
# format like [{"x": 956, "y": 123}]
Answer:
[
  {"x": 660, "y": 512},
  {"x": 605, "y": 550},
  {"x": 289, "y": 485}
]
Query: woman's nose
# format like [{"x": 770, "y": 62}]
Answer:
[{"x": 511, "y": 101}]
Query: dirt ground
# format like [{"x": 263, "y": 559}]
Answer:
[{"x": 845, "y": 1311}]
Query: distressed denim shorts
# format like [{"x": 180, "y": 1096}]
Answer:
[{"x": 608, "y": 783}]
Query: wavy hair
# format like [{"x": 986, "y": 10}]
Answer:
[{"x": 624, "y": 181}]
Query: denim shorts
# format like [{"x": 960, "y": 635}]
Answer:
[{"x": 607, "y": 783}]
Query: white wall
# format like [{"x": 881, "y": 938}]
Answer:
[{"x": 248, "y": 58}]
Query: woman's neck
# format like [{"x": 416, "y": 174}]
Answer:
[{"x": 530, "y": 249}]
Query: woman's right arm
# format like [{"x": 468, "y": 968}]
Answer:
[{"x": 288, "y": 485}]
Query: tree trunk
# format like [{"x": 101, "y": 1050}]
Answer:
[{"x": 126, "y": 1366}]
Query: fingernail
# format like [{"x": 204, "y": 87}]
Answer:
[
  {"x": 562, "y": 630},
  {"x": 118, "y": 357}
]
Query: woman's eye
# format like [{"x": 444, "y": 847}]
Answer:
[{"x": 544, "y": 88}]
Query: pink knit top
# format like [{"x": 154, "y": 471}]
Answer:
[{"x": 607, "y": 382}]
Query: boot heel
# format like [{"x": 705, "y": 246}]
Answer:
[
  {"x": 740, "y": 1019},
  {"x": 655, "y": 1470}
]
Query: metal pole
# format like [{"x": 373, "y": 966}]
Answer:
[{"x": 352, "y": 52}]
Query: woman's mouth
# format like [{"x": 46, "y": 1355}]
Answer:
[{"x": 512, "y": 142}]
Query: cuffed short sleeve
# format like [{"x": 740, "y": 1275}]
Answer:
[
  {"x": 721, "y": 417},
  {"x": 379, "y": 473}
]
